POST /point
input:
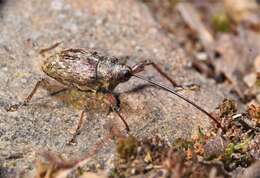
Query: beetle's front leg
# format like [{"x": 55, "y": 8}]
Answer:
[
  {"x": 141, "y": 66},
  {"x": 113, "y": 103},
  {"x": 40, "y": 83}
]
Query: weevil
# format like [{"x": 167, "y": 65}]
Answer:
[{"x": 88, "y": 70}]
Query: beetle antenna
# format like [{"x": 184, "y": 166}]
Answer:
[{"x": 182, "y": 97}]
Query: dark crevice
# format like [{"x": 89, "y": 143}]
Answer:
[{"x": 2, "y": 3}]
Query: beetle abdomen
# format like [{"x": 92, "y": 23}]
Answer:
[{"x": 73, "y": 67}]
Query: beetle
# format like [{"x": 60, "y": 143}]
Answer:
[{"x": 88, "y": 70}]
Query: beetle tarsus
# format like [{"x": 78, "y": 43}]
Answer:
[
  {"x": 123, "y": 120},
  {"x": 12, "y": 108},
  {"x": 15, "y": 107}
]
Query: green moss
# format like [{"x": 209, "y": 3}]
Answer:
[
  {"x": 229, "y": 151},
  {"x": 242, "y": 147},
  {"x": 257, "y": 82},
  {"x": 113, "y": 174},
  {"x": 173, "y": 3},
  {"x": 201, "y": 132},
  {"x": 127, "y": 147},
  {"x": 221, "y": 22},
  {"x": 180, "y": 144}
]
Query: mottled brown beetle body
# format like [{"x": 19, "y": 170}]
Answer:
[{"x": 86, "y": 70}]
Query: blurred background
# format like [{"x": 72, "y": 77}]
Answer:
[{"x": 220, "y": 37}]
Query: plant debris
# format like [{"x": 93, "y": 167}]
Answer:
[
  {"x": 227, "y": 108},
  {"x": 225, "y": 153}
]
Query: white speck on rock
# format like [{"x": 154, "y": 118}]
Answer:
[
  {"x": 100, "y": 21},
  {"x": 78, "y": 14},
  {"x": 57, "y": 4},
  {"x": 71, "y": 26},
  {"x": 67, "y": 7},
  {"x": 24, "y": 80},
  {"x": 202, "y": 56},
  {"x": 250, "y": 79},
  {"x": 91, "y": 45},
  {"x": 5, "y": 69}
]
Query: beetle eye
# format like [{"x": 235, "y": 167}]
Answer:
[{"x": 126, "y": 74}]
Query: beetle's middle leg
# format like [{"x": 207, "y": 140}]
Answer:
[
  {"x": 113, "y": 103},
  {"x": 40, "y": 83}
]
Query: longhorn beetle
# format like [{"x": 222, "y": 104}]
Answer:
[{"x": 87, "y": 70}]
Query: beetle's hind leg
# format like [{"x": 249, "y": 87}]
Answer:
[
  {"x": 78, "y": 127},
  {"x": 40, "y": 83},
  {"x": 109, "y": 99}
]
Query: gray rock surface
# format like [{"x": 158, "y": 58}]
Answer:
[{"x": 115, "y": 27}]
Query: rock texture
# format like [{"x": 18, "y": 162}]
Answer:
[{"x": 115, "y": 27}]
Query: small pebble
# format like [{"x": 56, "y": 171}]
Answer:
[
  {"x": 202, "y": 56},
  {"x": 139, "y": 149},
  {"x": 133, "y": 171},
  {"x": 5, "y": 69},
  {"x": 250, "y": 79},
  {"x": 257, "y": 63},
  {"x": 149, "y": 167},
  {"x": 78, "y": 14},
  {"x": 23, "y": 80}
]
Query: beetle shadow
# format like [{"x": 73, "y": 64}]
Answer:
[
  {"x": 2, "y": 3},
  {"x": 116, "y": 94},
  {"x": 132, "y": 90},
  {"x": 137, "y": 88},
  {"x": 143, "y": 86}
]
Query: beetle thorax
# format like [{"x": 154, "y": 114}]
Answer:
[{"x": 110, "y": 73}]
